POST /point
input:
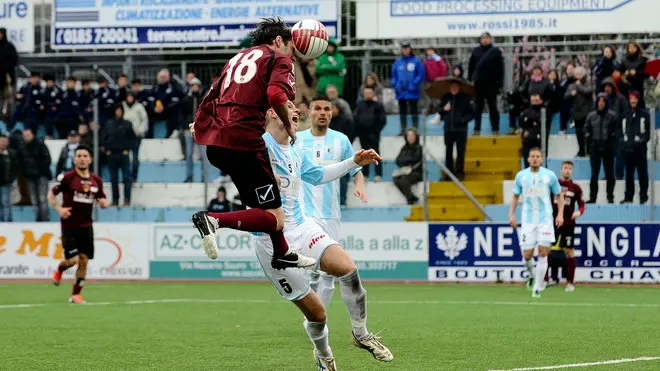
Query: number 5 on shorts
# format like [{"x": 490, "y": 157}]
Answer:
[{"x": 285, "y": 286}]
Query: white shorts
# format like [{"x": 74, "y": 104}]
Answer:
[
  {"x": 531, "y": 236},
  {"x": 308, "y": 239},
  {"x": 329, "y": 225}
]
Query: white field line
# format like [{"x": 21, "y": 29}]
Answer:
[
  {"x": 587, "y": 364},
  {"x": 375, "y": 302}
]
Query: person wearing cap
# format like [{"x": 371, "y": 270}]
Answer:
[
  {"x": 600, "y": 133},
  {"x": 220, "y": 204},
  {"x": 136, "y": 114},
  {"x": 69, "y": 114},
  {"x": 191, "y": 101},
  {"x": 331, "y": 68},
  {"x": 65, "y": 161},
  {"x": 486, "y": 71},
  {"x": 407, "y": 76},
  {"x": 635, "y": 134},
  {"x": 107, "y": 99}
]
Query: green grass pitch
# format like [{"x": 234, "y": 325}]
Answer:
[{"x": 246, "y": 326}]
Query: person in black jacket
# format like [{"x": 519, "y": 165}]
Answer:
[
  {"x": 85, "y": 97},
  {"x": 117, "y": 139},
  {"x": 65, "y": 161},
  {"x": 191, "y": 101},
  {"x": 33, "y": 107},
  {"x": 342, "y": 123},
  {"x": 557, "y": 96},
  {"x": 633, "y": 66},
  {"x": 52, "y": 101},
  {"x": 536, "y": 84},
  {"x": 34, "y": 160},
  {"x": 635, "y": 133},
  {"x": 8, "y": 61},
  {"x": 69, "y": 110},
  {"x": 456, "y": 109},
  {"x": 486, "y": 70},
  {"x": 8, "y": 170},
  {"x": 530, "y": 123},
  {"x": 581, "y": 95},
  {"x": 122, "y": 88},
  {"x": 618, "y": 104},
  {"x": 409, "y": 161},
  {"x": 220, "y": 204},
  {"x": 370, "y": 118},
  {"x": 165, "y": 103},
  {"x": 600, "y": 132},
  {"x": 566, "y": 109},
  {"x": 605, "y": 65},
  {"x": 106, "y": 97}
]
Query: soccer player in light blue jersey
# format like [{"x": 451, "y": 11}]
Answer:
[
  {"x": 293, "y": 166},
  {"x": 322, "y": 203},
  {"x": 535, "y": 186}
]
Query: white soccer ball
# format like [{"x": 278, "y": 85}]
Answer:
[{"x": 310, "y": 38}]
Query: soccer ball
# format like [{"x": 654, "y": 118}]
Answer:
[{"x": 310, "y": 38}]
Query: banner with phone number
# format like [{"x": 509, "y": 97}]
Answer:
[
  {"x": 484, "y": 252},
  {"x": 110, "y": 24}
]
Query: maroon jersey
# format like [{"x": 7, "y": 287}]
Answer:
[
  {"x": 572, "y": 196},
  {"x": 79, "y": 194},
  {"x": 233, "y": 113}
]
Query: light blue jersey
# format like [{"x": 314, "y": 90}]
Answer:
[
  {"x": 322, "y": 201},
  {"x": 294, "y": 167},
  {"x": 535, "y": 189}
]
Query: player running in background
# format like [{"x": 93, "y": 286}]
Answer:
[
  {"x": 322, "y": 203},
  {"x": 79, "y": 188},
  {"x": 230, "y": 122},
  {"x": 535, "y": 185},
  {"x": 565, "y": 234}
]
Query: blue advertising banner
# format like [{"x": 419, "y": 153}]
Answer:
[
  {"x": 484, "y": 252},
  {"x": 110, "y": 24}
]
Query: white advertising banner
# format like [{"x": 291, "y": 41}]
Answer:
[
  {"x": 33, "y": 250},
  {"x": 400, "y": 19},
  {"x": 84, "y": 24},
  {"x": 17, "y": 16}
]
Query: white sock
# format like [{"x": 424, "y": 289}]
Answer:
[
  {"x": 529, "y": 264},
  {"x": 355, "y": 299},
  {"x": 323, "y": 285},
  {"x": 318, "y": 334},
  {"x": 541, "y": 268}
]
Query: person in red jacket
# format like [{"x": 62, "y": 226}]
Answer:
[{"x": 434, "y": 66}]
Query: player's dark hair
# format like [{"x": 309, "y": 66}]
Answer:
[
  {"x": 536, "y": 149},
  {"x": 268, "y": 30},
  {"x": 567, "y": 162},
  {"x": 82, "y": 148}
]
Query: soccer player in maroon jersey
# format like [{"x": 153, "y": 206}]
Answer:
[
  {"x": 566, "y": 233},
  {"x": 231, "y": 121},
  {"x": 79, "y": 188}
]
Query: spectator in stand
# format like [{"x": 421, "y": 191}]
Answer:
[
  {"x": 191, "y": 101},
  {"x": 69, "y": 110},
  {"x": 622, "y": 85},
  {"x": 117, "y": 138},
  {"x": 487, "y": 72},
  {"x": 304, "y": 120},
  {"x": 141, "y": 95},
  {"x": 86, "y": 138},
  {"x": 434, "y": 66},
  {"x": 557, "y": 96},
  {"x": 565, "y": 113},
  {"x": 190, "y": 76},
  {"x": 407, "y": 75},
  {"x": 16, "y": 144},
  {"x": 34, "y": 102},
  {"x": 536, "y": 84},
  {"x": 409, "y": 162},
  {"x": 34, "y": 162},
  {"x": 106, "y": 97},
  {"x": 580, "y": 92},
  {"x": 633, "y": 66},
  {"x": 341, "y": 122},
  {"x": 165, "y": 103},
  {"x": 85, "y": 97},
  {"x": 65, "y": 161},
  {"x": 458, "y": 71},
  {"x": 636, "y": 132},
  {"x": 19, "y": 108},
  {"x": 371, "y": 81},
  {"x": 605, "y": 65},
  {"x": 122, "y": 88},
  {"x": 456, "y": 109},
  {"x": 8, "y": 61},
  {"x": 600, "y": 132},
  {"x": 220, "y": 203},
  {"x": 52, "y": 100},
  {"x": 370, "y": 118},
  {"x": 619, "y": 105},
  {"x": 306, "y": 81},
  {"x": 331, "y": 68},
  {"x": 136, "y": 114},
  {"x": 8, "y": 170},
  {"x": 333, "y": 94},
  {"x": 515, "y": 103},
  {"x": 530, "y": 124}
]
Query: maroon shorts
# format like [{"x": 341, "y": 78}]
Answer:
[{"x": 251, "y": 173}]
